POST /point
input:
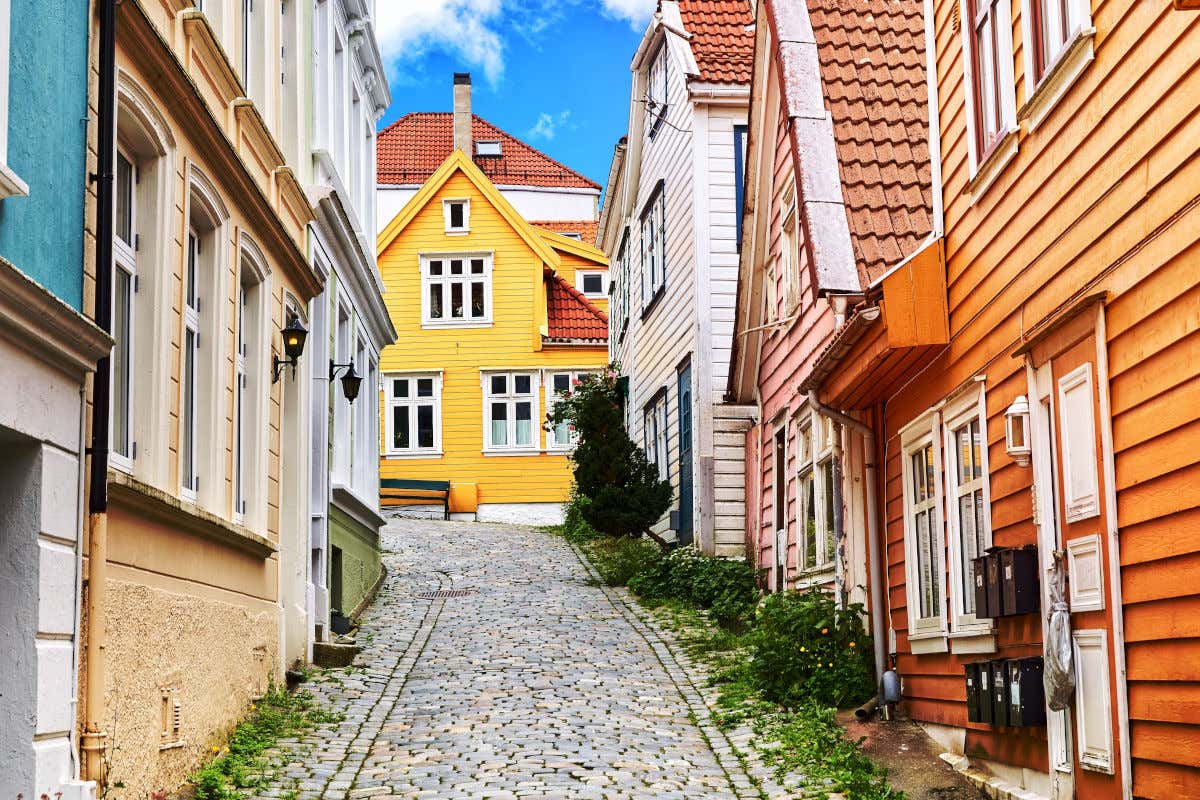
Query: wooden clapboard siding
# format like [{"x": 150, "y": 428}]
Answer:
[
  {"x": 460, "y": 353},
  {"x": 1102, "y": 196},
  {"x": 721, "y": 296}
]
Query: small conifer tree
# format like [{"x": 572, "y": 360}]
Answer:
[{"x": 610, "y": 470}]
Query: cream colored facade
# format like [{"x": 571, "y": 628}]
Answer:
[{"x": 209, "y": 468}]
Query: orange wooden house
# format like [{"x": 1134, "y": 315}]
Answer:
[{"x": 1024, "y": 381}]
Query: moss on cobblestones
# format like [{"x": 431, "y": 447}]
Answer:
[{"x": 241, "y": 764}]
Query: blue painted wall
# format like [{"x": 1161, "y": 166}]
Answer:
[{"x": 42, "y": 234}]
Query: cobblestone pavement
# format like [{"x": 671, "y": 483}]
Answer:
[{"x": 540, "y": 683}]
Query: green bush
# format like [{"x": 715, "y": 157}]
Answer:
[
  {"x": 575, "y": 526},
  {"x": 726, "y": 587},
  {"x": 807, "y": 650},
  {"x": 619, "y": 558}
]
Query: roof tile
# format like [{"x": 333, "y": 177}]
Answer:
[
  {"x": 585, "y": 228},
  {"x": 722, "y": 38},
  {"x": 570, "y": 315}
]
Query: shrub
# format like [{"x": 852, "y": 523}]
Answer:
[
  {"x": 575, "y": 526},
  {"x": 805, "y": 649},
  {"x": 726, "y": 587},
  {"x": 620, "y": 558},
  {"x": 625, "y": 495}
]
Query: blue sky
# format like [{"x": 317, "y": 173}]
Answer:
[{"x": 554, "y": 73}]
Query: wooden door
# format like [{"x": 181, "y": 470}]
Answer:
[
  {"x": 1071, "y": 391},
  {"x": 685, "y": 532}
]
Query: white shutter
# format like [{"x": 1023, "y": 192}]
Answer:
[
  {"x": 1093, "y": 700},
  {"x": 1077, "y": 416}
]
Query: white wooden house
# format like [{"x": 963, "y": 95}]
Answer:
[{"x": 670, "y": 228}]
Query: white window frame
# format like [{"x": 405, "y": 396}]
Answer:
[
  {"x": 987, "y": 156},
  {"x": 651, "y": 224},
  {"x": 552, "y": 398},
  {"x": 779, "y": 503},
  {"x": 926, "y": 634},
  {"x": 10, "y": 183},
  {"x": 1063, "y": 66},
  {"x": 600, "y": 273},
  {"x": 240, "y": 407},
  {"x": 789, "y": 256},
  {"x": 814, "y": 451},
  {"x": 621, "y": 291},
  {"x": 480, "y": 146},
  {"x": 968, "y": 408},
  {"x": 657, "y": 78},
  {"x": 510, "y": 398},
  {"x": 122, "y": 454},
  {"x": 189, "y": 481},
  {"x": 446, "y": 280},
  {"x": 654, "y": 434},
  {"x": 412, "y": 402},
  {"x": 460, "y": 230}
]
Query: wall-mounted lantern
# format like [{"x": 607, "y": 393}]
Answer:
[
  {"x": 1016, "y": 431},
  {"x": 294, "y": 335},
  {"x": 350, "y": 381}
]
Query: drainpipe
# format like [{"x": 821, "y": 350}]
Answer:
[
  {"x": 874, "y": 569},
  {"x": 94, "y": 735},
  {"x": 839, "y": 518}
]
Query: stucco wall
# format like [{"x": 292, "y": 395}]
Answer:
[
  {"x": 42, "y": 234},
  {"x": 216, "y": 648},
  {"x": 360, "y": 557}
]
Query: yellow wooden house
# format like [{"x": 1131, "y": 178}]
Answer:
[{"x": 491, "y": 331}]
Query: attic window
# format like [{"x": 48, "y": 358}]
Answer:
[
  {"x": 572, "y": 235},
  {"x": 457, "y": 215},
  {"x": 593, "y": 284},
  {"x": 489, "y": 149}
]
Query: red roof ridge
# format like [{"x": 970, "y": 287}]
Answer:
[{"x": 570, "y": 315}]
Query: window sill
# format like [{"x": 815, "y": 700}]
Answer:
[
  {"x": 1061, "y": 75},
  {"x": 648, "y": 309},
  {"x": 526, "y": 452},
  {"x": 434, "y": 326},
  {"x": 925, "y": 643},
  {"x": 997, "y": 159},
  {"x": 457, "y": 232},
  {"x": 11, "y": 184},
  {"x": 392, "y": 456},
  {"x": 978, "y": 640}
]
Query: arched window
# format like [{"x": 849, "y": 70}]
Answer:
[{"x": 250, "y": 388}]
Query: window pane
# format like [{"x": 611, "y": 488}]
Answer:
[
  {"x": 477, "y": 305},
  {"x": 929, "y": 476},
  {"x": 193, "y": 246},
  {"x": 456, "y": 300},
  {"x": 918, "y": 477},
  {"x": 188, "y": 423},
  {"x": 499, "y": 424},
  {"x": 400, "y": 387},
  {"x": 424, "y": 387},
  {"x": 456, "y": 215},
  {"x": 562, "y": 383},
  {"x": 977, "y": 445},
  {"x": 435, "y": 301},
  {"x": 499, "y": 384},
  {"x": 476, "y": 266},
  {"x": 425, "y": 426},
  {"x": 562, "y": 434},
  {"x": 970, "y": 549},
  {"x": 524, "y": 423},
  {"x": 124, "y": 200},
  {"x": 925, "y": 571},
  {"x": 808, "y": 493},
  {"x": 522, "y": 384},
  {"x": 435, "y": 267},
  {"x": 400, "y": 430},
  {"x": 456, "y": 266},
  {"x": 593, "y": 284},
  {"x": 122, "y": 306},
  {"x": 827, "y": 487}
]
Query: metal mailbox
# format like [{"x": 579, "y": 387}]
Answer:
[
  {"x": 986, "y": 710},
  {"x": 977, "y": 694},
  {"x": 979, "y": 569},
  {"x": 1019, "y": 580},
  {"x": 1026, "y": 692},
  {"x": 995, "y": 595},
  {"x": 999, "y": 681}
]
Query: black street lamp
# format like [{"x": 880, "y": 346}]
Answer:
[
  {"x": 294, "y": 336},
  {"x": 351, "y": 382}
]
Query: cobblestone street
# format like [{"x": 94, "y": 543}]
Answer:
[{"x": 538, "y": 683}]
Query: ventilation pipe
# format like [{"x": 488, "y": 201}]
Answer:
[
  {"x": 462, "y": 113},
  {"x": 876, "y": 573},
  {"x": 94, "y": 735}
]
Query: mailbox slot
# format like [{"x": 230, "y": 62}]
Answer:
[
  {"x": 1026, "y": 692},
  {"x": 972, "y": 681},
  {"x": 999, "y": 674},
  {"x": 1019, "y": 580},
  {"x": 986, "y": 710},
  {"x": 979, "y": 568},
  {"x": 995, "y": 595}
]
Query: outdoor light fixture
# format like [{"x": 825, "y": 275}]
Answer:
[
  {"x": 1016, "y": 431},
  {"x": 350, "y": 381},
  {"x": 294, "y": 335}
]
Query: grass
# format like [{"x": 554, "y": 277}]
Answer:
[{"x": 242, "y": 762}]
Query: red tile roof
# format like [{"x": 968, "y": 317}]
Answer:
[
  {"x": 585, "y": 228},
  {"x": 872, "y": 58},
  {"x": 570, "y": 315},
  {"x": 411, "y": 148},
  {"x": 722, "y": 38}
]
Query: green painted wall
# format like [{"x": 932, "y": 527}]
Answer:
[{"x": 361, "y": 563}]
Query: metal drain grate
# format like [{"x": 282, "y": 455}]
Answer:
[{"x": 444, "y": 593}]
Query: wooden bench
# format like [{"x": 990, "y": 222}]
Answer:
[{"x": 413, "y": 492}]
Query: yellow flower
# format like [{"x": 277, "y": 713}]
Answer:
[
  {"x": 802, "y": 649},
  {"x": 831, "y": 663},
  {"x": 824, "y": 631},
  {"x": 852, "y": 644}
]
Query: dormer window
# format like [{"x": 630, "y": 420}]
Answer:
[
  {"x": 457, "y": 215},
  {"x": 572, "y": 235},
  {"x": 594, "y": 284},
  {"x": 656, "y": 90},
  {"x": 492, "y": 149}
]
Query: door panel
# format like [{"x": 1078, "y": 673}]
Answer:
[{"x": 685, "y": 456}]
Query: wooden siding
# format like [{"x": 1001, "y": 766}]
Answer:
[{"x": 460, "y": 353}]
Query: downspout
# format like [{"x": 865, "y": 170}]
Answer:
[
  {"x": 94, "y": 736},
  {"x": 80, "y": 545},
  {"x": 874, "y": 570}
]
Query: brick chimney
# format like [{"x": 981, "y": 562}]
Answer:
[{"x": 462, "y": 112}]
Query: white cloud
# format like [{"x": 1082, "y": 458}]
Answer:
[
  {"x": 637, "y": 12},
  {"x": 547, "y": 125},
  {"x": 466, "y": 28}
]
